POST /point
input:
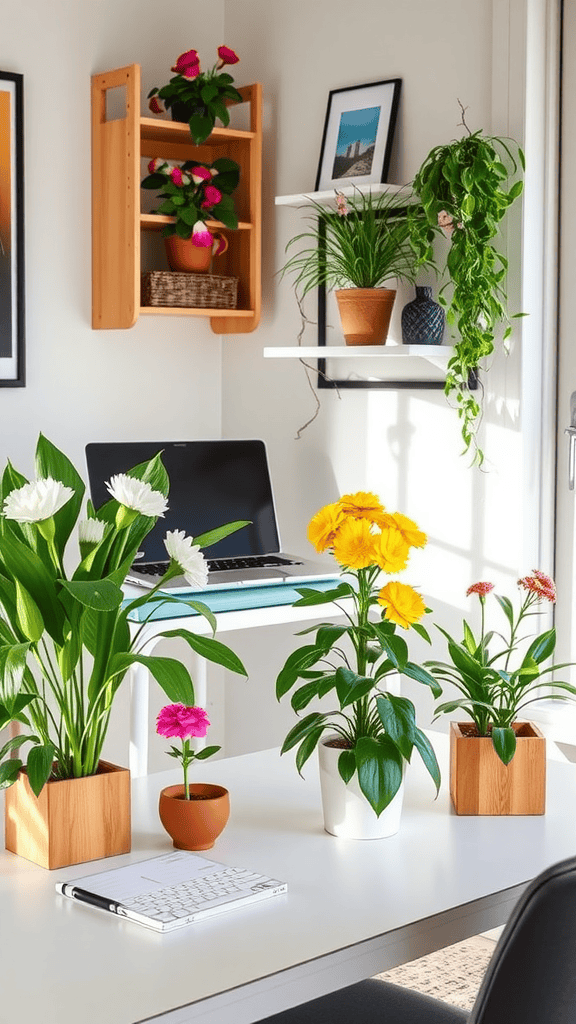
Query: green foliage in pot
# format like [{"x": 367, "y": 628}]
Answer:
[
  {"x": 361, "y": 242},
  {"x": 194, "y": 193},
  {"x": 465, "y": 189},
  {"x": 196, "y": 96}
]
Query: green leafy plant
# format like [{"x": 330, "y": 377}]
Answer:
[
  {"x": 194, "y": 193},
  {"x": 376, "y": 729},
  {"x": 465, "y": 189},
  {"x": 494, "y": 693},
  {"x": 65, "y": 640},
  {"x": 360, "y": 243},
  {"x": 198, "y": 97}
]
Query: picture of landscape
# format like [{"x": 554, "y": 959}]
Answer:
[{"x": 355, "y": 144}]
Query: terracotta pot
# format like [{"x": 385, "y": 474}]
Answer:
[
  {"x": 194, "y": 824},
  {"x": 183, "y": 255},
  {"x": 481, "y": 784},
  {"x": 346, "y": 811},
  {"x": 365, "y": 314},
  {"x": 72, "y": 821}
]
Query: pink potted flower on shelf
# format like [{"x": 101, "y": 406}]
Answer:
[{"x": 198, "y": 97}]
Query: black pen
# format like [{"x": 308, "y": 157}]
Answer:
[{"x": 100, "y": 902}]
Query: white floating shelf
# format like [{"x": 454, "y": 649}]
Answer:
[
  {"x": 305, "y": 198},
  {"x": 437, "y": 355}
]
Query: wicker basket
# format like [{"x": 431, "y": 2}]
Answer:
[{"x": 196, "y": 291}]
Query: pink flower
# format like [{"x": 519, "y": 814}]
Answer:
[
  {"x": 187, "y": 65},
  {"x": 219, "y": 245},
  {"x": 446, "y": 222},
  {"x": 480, "y": 588},
  {"x": 177, "y": 177},
  {"x": 212, "y": 197},
  {"x": 156, "y": 165},
  {"x": 176, "y": 720},
  {"x": 226, "y": 56},
  {"x": 200, "y": 174},
  {"x": 200, "y": 234},
  {"x": 341, "y": 204},
  {"x": 156, "y": 106},
  {"x": 540, "y": 584}
]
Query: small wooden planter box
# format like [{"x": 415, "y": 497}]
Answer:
[
  {"x": 72, "y": 821},
  {"x": 481, "y": 784}
]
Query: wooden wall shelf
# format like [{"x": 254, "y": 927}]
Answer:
[{"x": 118, "y": 147}]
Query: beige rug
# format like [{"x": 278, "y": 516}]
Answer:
[{"x": 452, "y": 974}]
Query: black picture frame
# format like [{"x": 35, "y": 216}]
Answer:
[
  {"x": 12, "y": 295},
  {"x": 362, "y": 117}
]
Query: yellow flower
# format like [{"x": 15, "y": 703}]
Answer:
[
  {"x": 323, "y": 526},
  {"x": 402, "y": 603},
  {"x": 392, "y": 549},
  {"x": 354, "y": 544},
  {"x": 408, "y": 528},
  {"x": 362, "y": 505}
]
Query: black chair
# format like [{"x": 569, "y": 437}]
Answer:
[{"x": 531, "y": 978}]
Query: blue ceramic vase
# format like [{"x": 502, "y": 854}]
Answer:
[{"x": 422, "y": 319}]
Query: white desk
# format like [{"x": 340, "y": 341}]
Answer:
[
  {"x": 352, "y": 909},
  {"x": 149, "y": 637}
]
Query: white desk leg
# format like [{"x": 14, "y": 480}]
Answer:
[
  {"x": 139, "y": 713},
  {"x": 200, "y": 679}
]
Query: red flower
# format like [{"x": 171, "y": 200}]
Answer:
[
  {"x": 540, "y": 584},
  {"x": 480, "y": 588},
  {"x": 187, "y": 65},
  {"x": 178, "y": 720},
  {"x": 200, "y": 174},
  {"x": 176, "y": 176},
  {"x": 156, "y": 165},
  {"x": 212, "y": 197},
  {"x": 227, "y": 56},
  {"x": 156, "y": 106}
]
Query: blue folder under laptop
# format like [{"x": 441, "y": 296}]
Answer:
[{"x": 211, "y": 483}]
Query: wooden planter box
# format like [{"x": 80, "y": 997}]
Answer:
[
  {"x": 481, "y": 784},
  {"x": 72, "y": 821}
]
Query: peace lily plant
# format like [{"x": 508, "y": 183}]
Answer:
[
  {"x": 376, "y": 729},
  {"x": 65, "y": 641}
]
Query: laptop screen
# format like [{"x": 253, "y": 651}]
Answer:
[{"x": 211, "y": 483}]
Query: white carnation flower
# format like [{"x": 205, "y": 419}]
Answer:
[
  {"x": 37, "y": 501},
  {"x": 137, "y": 495},
  {"x": 182, "y": 550},
  {"x": 91, "y": 531}
]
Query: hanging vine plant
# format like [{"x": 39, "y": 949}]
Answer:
[{"x": 464, "y": 189}]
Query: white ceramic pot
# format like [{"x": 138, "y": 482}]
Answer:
[{"x": 347, "y": 813}]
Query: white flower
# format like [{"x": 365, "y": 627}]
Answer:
[
  {"x": 91, "y": 531},
  {"x": 37, "y": 501},
  {"x": 188, "y": 556},
  {"x": 136, "y": 494}
]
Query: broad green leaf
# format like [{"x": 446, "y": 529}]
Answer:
[
  {"x": 347, "y": 765},
  {"x": 100, "y": 595},
  {"x": 327, "y": 636},
  {"x": 210, "y": 649},
  {"x": 303, "y": 695},
  {"x": 504, "y": 742},
  {"x": 9, "y": 772},
  {"x": 469, "y": 640},
  {"x": 205, "y": 540},
  {"x": 426, "y": 751},
  {"x": 350, "y": 687},
  {"x": 307, "y": 747},
  {"x": 310, "y": 596},
  {"x": 422, "y": 676},
  {"x": 379, "y": 765},
  {"x": 295, "y": 664},
  {"x": 171, "y": 675},
  {"x": 25, "y": 565},
  {"x": 29, "y": 618},
  {"x": 52, "y": 462},
  {"x": 200, "y": 128},
  {"x": 399, "y": 720},
  {"x": 15, "y": 742},
  {"x": 422, "y": 631},
  {"x": 39, "y": 766},
  {"x": 541, "y": 648},
  {"x": 301, "y": 729},
  {"x": 201, "y": 755}
]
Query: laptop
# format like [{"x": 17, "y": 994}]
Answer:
[{"x": 211, "y": 483}]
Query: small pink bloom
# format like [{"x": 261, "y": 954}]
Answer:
[
  {"x": 446, "y": 222},
  {"x": 480, "y": 588},
  {"x": 177, "y": 720},
  {"x": 219, "y": 245},
  {"x": 341, "y": 204},
  {"x": 212, "y": 197},
  {"x": 540, "y": 584},
  {"x": 156, "y": 165},
  {"x": 176, "y": 176},
  {"x": 200, "y": 174},
  {"x": 187, "y": 65},
  {"x": 200, "y": 234},
  {"x": 156, "y": 106},
  {"x": 227, "y": 56}
]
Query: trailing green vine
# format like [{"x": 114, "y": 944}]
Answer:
[{"x": 463, "y": 189}]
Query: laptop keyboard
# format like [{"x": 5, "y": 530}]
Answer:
[
  {"x": 220, "y": 564},
  {"x": 187, "y": 898}
]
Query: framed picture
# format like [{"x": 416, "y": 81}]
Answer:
[
  {"x": 358, "y": 133},
  {"x": 12, "y": 312}
]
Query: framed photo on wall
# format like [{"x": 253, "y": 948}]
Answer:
[
  {"x": 12, "y": 311},
  {"x": 358, "y": 134}
]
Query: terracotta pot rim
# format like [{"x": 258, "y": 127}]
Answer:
[
  {"x": 365, "y": 291},
  {"x": 216, "y": 792}
]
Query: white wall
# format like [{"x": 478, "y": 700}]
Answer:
[{"x": 405, "y": 445}]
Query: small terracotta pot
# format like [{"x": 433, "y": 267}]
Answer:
[
  {"x": 183, "y": 255},
  {"x": 194, "y": 824},
  {"x": 365, "y": 314}
]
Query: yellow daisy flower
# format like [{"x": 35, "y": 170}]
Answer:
[
  {"x": 392, "y": 550},
  {"x": 323, "y": 526},
  {"x": 408, "y": 528},
  {"x": 402, "y": 603},
  {"x": 362, "y": 505},
  {"x": 354, "y": 544}
]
